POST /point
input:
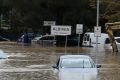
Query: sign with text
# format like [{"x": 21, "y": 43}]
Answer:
[
  {"x": 79, "y": 28},
  {"x": 49, "y": 23},
  {"x": 97, "y": 31},
  {"x": 60, "y": 30}
]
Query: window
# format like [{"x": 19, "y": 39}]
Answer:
[
  {"x": 50, "y": 38},
  {"x": 47, "y": 38},
  {"x": 118, "y": 40},
  {"x": 43, "y": 38},
  {"x": 107, "y": 41},
  {"x": 76, "y": 63},
  {"x": 85, "y": 36},
  {"x": 88, "y": 37},
  {"x": 87, "y": 63}
]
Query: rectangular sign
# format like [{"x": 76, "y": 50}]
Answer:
[
  {"x": 79, "y": 28},
  {"x": 49, "y": 23},
  {"x": 60, "y": 30},
  {"x": 97, "y": 31}
]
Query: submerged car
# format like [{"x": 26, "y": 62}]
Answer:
[
  {"x": 49, "y": 40},
  {"x": 108, "y": 44},
  {"x": 76, "y": 67},
  {"x": 46, "y": 40},
  {"x": 25, "y": 38},
  {"x": 3, "y": 39}
]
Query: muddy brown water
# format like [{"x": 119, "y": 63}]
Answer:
[{"x": 35, "y": 62}]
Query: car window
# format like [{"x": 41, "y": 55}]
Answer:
[
  {"x": 47, "y": 38},
  {"x": 36, "y": 38},
  {"x": 50, "y": 38},
  {"x": 88, "y": 37},
  {"x": 43, "y": 38},
  {"x": 87, "y": 63},
  {"x": 107, "y": 41},
  {"x": 118, "y": 40},
  {"x": 76, "y": 63},
  {"x": 72, "y": 63},
  {"x": 85, "y": 36}
]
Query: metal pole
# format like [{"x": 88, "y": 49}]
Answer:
[
  {"x": 78, "y": 43},
  {"x": 66, "y": 44},
  {"x": 97, "y": 24},
  {"x": 54, "y": 42}
]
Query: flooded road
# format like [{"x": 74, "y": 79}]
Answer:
[{"x": 35, "y": 62}]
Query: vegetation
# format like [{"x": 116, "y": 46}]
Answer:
[{"x": 22, "y": 15}]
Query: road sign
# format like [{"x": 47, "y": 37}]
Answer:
[
  {"x": 97, "y": 31},
  {"x": 79, "y": 28},
  {"x": 60, "y": 30},
  {"x": 49, "y": 23}
]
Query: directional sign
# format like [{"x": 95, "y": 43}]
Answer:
[
  {"x": 97, "y": 31},
  {"x": 49, "y": 23},
  {"x": 60, "y": 30},
  {"x": 79, "y": 28}
]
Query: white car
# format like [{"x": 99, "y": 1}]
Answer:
[
  {"x": 76, "y": 67},
  {"x": 46, "y": 40},
  {"x": 108, "y": 44}
]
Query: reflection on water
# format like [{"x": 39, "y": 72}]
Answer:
[{"x": 34, "y": 63}]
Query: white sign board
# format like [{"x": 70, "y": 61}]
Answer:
[
  {"x": 60, "y": 30},
  {"x": 79, "y": 28},
  {"x": 49, "y": 23},
  {"x": 97, "y": 31}
]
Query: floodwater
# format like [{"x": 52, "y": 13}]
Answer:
[{"x": 35, "y": 62}]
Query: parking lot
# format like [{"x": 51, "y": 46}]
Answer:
[{"x": 35, "y": 62}]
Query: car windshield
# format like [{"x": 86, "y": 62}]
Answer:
[{"x": 76, "y": 63}]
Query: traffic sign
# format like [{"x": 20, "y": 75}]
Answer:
[
  {"x": 61, "y": 30},
  {"x": 97, "y": 31},
  {"x": 49, "y": 23},
  {"x": 79, "y": 28}
]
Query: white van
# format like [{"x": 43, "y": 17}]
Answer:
[{"x": 89, "y": 40}]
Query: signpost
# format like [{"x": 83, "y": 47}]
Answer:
[
  {"x": 97, "y": 33},
  {"x": 79, "y": 30},
  {"x": 61, "y": 30}
]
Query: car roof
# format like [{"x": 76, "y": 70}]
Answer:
[
  {"x": 116, "y": 37},
  {"x": 74, "y": 56}
]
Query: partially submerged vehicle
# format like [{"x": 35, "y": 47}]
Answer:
[
  {"x": 50, "y": 40},
  {"x": 89, "y": 40},
  {"x": 108, "y": 44},
  {"x": 3, "y": 39},
  {"x": 76, "y": 67}
]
